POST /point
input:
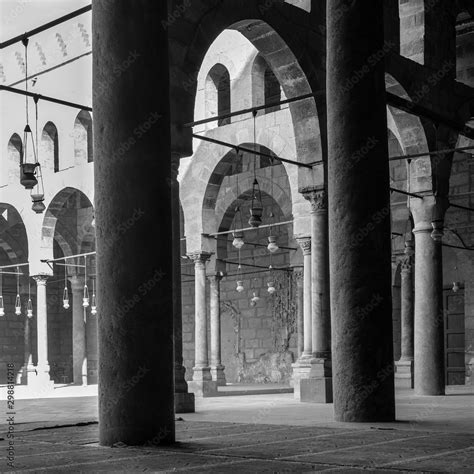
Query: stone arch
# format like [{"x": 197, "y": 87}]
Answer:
[
  {"x": 271, "y": 31},
  {"x": 218, "y": 93},
  {"x": 13, "y": 235},
  {"x": 67, "y": 221},
  {"x": 14, "y": 157},
  {"x": 83, "y": 142},
  {"x": 412, "y": 136},
  {"x": 49, "y": 153}
]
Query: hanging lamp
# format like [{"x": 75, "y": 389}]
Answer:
[
  {"x": 18, "y": 299},
  {"x": 256, "y": 206},
  {"x": 255, "y": 298},
  {"x": 93, "y": 302},
  {"x": 271, "y": 283},
  {"x": 65, "y": 292},
  {"x": 29, "y": 305},
  {"x": 240, "y": 283},
  {"x": 85, "y": 297},
  {"x": 28, "y": 169},
  {"x": 38, "y": 195},
  {"x": 2, "y": 307},
  {"x": 272, "y": 240},
  {"x": 238, "y": 235},
  {"x": 456, "y": 286}
]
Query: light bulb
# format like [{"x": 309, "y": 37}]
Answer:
[
  {"x": 29, "y": 313},
  {"x": 85, "y": 299},
  {"x": 93, "y": 305},
  {"x": 66, "y": 304},
  {"x": 240, "y": 286},
  {"x": 455, "y": 287},
  {"x": 65, "y": 298},
  {"x": 29, "y": 308}
]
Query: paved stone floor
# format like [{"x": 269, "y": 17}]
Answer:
[{"x": 254, "y": 433}]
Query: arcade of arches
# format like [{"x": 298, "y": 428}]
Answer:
[{"x": 361, "y": 184}]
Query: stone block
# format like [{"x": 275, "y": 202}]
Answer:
[
  {"x": 316, "y": 390},
  {"x": 203, "y": 388},
  {"x": 404, "y": 374}
]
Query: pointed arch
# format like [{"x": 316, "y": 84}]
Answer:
[{"x": 83, "y": 142}]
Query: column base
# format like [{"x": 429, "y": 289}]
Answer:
[
  {"x": 218, "y": 375},
  {"x": 202, "y": 384},
  {"x": 316, "y": 390},
  {"x": 39, "y": 382},
  {"x": 405, "y": 374},
  {"x": 184, "y": 403},
  {"x": 312, "y": 368}
]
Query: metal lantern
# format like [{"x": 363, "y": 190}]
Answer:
[
  {"x": 29, "y": 308},
  {"x": 238, "y": 241},
  {"x": 28, "y": 175},
  {"x": 271, "y": 287},
  {"x": 85, "y": 299},
  {"x": 18, "y": 305},
  {"x": 93, "y": 305},
  {"x": 65, "y": 298},
  {"x": 272, "y": 245},
  {"x": 38, "y": 203},
  {"x": 240, "y": 286},
  {"x": 254, "y": 299},
  {"x": 256, "y": 208}
]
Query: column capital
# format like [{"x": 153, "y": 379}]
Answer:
[
  {"x": 77, "y": 282},
  {"x": 200, "y": 258},
  {"x": 426, "y": 211},
  {"x": 317, "y": 198},
  {"x": 305, "y": 244},
  {"x": 41, "y": 279}
]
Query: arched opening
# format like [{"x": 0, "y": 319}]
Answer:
[
  {"x": 18, "y": 331},
  {"x": 266, "y": 88},
  {"x": 83, "y": 141},
  {"x": 465, "y": 48},
  {"x": 49, "y": 155},
  {"x": 218, "y": 93},
  {"x": 14, "y": 157},
  {"x": 68, "y": 231}
]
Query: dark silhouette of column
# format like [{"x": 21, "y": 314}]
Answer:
[
  {"x": 359, "y": 214},
  {"x": 134, "y": 230}
]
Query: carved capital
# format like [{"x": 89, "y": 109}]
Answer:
[
  {"x": 317, "y": 199},
  {"x": 41, "y": 280},
  {"x": 305, "y": 244},
  {"x": 298, "y": 274},
  {"x": 407, "y": 264},
  {"x": 200, "y": 259}
]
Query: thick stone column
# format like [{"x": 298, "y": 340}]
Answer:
[
  {"x": 359, "y": 214},
  {"x": 202, "y": 384},
  {"x": 217, "y": 369},
  {"x": 303, "y": 366},
  {"x": 79, "y": 351},
  {"x": 133, "y": 222},
  {"x": 183, "y": 400},
  {"x": 429, "y": 316},
  {"x": 319, "y": 387},
  {"x": 42, "y": 381},
  {"x": 404, "y": 376}
]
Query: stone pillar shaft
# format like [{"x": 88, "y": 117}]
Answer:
[
  {"x": 132, "y": 150},
  {"x": 305, "y": 244},
  {"x": 429, "y": 316},
  {"x": 359, "y": 214},
  {"x": 407, "y": 311},
  {"x": 79, "y": 356},
  {"x": 299, "y": 310},
  {"x": 217, "y": 369},
  {"x": 42, "y": 324},
  {"x": 200, "y": 313}
]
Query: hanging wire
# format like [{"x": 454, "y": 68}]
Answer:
[
  {"x": 240, "y": 283},
  {"x": 85, "y": 299},
  {"x": 93, "y": 302}
]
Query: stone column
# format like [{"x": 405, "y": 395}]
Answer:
[
  {"x": 79, "y": 352},
  {"x": 429, "y": 315},
  {"x": 319, "y": 387},
  {"x": 303, "y": 366},
  {"x": 404, "y": 376},
  {"x": 132, "y": 185},
  {"x": 42, "y": 381},
  {"x": 183, "y": 400},
  {"x": 202, "y": 384},
  {"x": 298, "y": 272},
  {"x": 359, "y": 214},
  {"x": 217, "y": 369}
]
